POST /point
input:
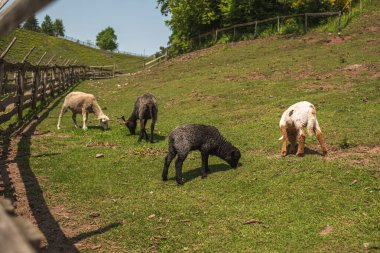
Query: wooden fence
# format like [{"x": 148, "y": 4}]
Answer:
[
  {"x": 23, "y": 85},
  {"x": 197, "y": 41},
  {"x": 210, "y": 38}
]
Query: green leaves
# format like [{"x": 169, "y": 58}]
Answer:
[{"x": 106, "y": 39}]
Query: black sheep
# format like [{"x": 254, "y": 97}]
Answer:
[
  {"x": 145, "y": 108},
  {"x": 207, "y": 139}
]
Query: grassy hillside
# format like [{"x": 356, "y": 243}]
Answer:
[
  {"x": 64, "y": 48},
  {"x": 310, "y": 204}
]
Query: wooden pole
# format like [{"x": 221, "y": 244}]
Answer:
[
  {"x": 51, "y": 59},
  {"x": 8, "y": 48},
  {"x": 27, "y": 55},
  {"x": 340, "y": 20},
  {"x": 2, "y": 72},
  {"x": 3, "y": 2},
  {"x": 40, "y": 60},
  {"x": 255, "y": 29},
  {"x": 216, "y": 35},
  {"x": 278, "y": 24},
  {"x": 20, "y": 92},
  {"x": 361, "y": 6},
  {"x": 305, "y": 22},
  {"x": 19, "y": 11},
  {"x": 233, "y": 38}
]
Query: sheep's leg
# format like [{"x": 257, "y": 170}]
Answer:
[
  {"x": 74, "y": 117},
  {"x": 145, "y": 133},
  {"x": 152, "y": 129},
  {"x": 63, "y": 111},
  {"x": 284, "y": 140},
  {"x": 292, "y": 139},
  {"x": 142, "y": 129},
  {"x": 301, "y": 142},
  {"x": 178, "y": 169},
  {"x": 204, "y": 168},
  {"x": 321, "y": 141},
  {"x": 85, "y": 118},
  {"x": 168, "y": 160}
]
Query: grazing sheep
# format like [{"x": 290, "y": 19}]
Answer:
[
  {"x": 80, "y": 102},
  {"x": 206, "y": 139},
  {"x": 145, "y": 108},
  {"x": 293, "y": 121}
]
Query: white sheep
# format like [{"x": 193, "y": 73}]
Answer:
[
  {"x": 84, "y": 103},
  {"x": 293, "y": 121}
]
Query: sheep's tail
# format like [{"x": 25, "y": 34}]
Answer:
[
  {"x": 150, "y": 107},
  {"x": 312, "y": 123}
]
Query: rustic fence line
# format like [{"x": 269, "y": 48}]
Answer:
[
  {"x": 23, "y": 85},
  {"x": 275, "y": 20},
  {"x": 196, "y": 41}
]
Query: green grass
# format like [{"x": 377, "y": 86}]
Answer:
[
  {"x": 63, "y": 48},
  {"x": 242, "y": 89}
]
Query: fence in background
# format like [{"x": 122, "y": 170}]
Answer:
[
  {"x": 89, "y": 43},
  {"x": 211, "y": 38},
  {"x": 23, "y": 85}
]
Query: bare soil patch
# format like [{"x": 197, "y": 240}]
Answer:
[
  {"x": 98, "y": 144},
  {"x": 146, "y": 152}
]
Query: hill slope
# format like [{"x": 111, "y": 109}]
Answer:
[
  {"x": 64, "y": 48},
  {"x": 118, "y": 203}
]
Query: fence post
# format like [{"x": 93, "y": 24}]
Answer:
[
  {"x": 255, "y": 29},
  {"x": 216, "y": 35},
  {"x": 305, "y": 22},
  {"x": 340, "y": 20},
  {"x": 36, "y": 82},
  {"x": 278, "y": 24},
  {"x": 361, "y": 6},
  {"x": 44, "y": 83},
  {"x": 113, "y": 70},
  {"x": 20, "y": 91},
  {"x": 1, "y": 76},
  {"x": 233, "y": 37}
]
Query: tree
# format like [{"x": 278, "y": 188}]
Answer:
[
  {"x": 31, "y": 24},
  {"x": 58, "y": 28},
  {"x": 106, "y": 39},
  {"x": 47, "y": 26}
]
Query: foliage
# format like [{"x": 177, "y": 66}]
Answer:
[
  {"x": 58, "y": 27},
  {"x": 189, "y": 18},
  {"x": 31, "y": 24},
  {"x": 47, "y": 26},
  {"x": 106, "y": 39}
]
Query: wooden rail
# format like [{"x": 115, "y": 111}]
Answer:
[
  {"x": 23, "y": 85},
  {"x": 17, "y": 234}
]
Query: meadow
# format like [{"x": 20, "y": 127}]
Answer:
[{"x": 309, "y": 204}]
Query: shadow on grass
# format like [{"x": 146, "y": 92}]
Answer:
[
  {"x": 307, "y": 151},
  {"x": 156, "y": 137},
  {"x": 56, "y": 238},
  {"x": 194, "y": 173}
]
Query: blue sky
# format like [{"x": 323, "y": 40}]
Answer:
[{"x": 138, "y": 24}]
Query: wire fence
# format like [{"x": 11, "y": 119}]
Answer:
[{"x": 91, "y": 44}]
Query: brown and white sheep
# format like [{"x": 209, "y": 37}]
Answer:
[
  {"x": 84, "y": 103},
  {"x": 293, "y": 121}
]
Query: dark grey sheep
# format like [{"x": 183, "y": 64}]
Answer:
[
  {"x": 207, "y": 139},
  {"x": 145, "y": 108}
]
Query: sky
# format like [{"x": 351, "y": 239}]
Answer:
[{"x": 138, "y": 24}]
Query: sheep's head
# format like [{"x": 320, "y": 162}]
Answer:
[
  {"x": 233, "y": 158},
  {"x": 130, "y": 124},
  {"x": 104, "y": 122}
]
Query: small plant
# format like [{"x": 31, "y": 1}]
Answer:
[{"x": 345, "y": 144}]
